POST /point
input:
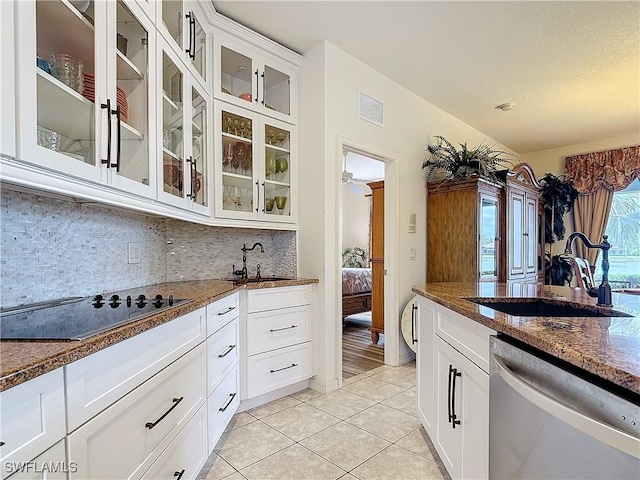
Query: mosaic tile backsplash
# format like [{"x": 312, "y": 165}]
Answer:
[{"x": 53, "y": 249}]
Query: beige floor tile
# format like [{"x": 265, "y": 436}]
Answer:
[
  {"x": 396, "y": 463},
  {"x": 306, "y": 395},
  {"x": 419, "y": 442},
  {"x": 404, "y": 401},
  {"x": 215, "y": 468},
  {"x": 403, "y": 377},
  {"x": 240, "y": 419},
  {"x": 274, "y": 407},
  {"x": 348, "y": 476},
  {"x": 341, "y": 403},
  {"x": 385, "y": 422},
  {"x": 379, "y": 369},
  {"x": 248, "y": 444},
  {"x": 345, "y": 445},
  {"x": 235, "y": 476},
  {"x": 293, "y": 463},
  {"x": 355, "y": 378},
  {"x": 374, "y": 389},
  {"x": 300, "y": 421}
]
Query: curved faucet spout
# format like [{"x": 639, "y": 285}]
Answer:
[{"x": 604, "y": 290}]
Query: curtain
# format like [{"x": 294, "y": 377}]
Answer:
[{"x": 596, "y": 176}]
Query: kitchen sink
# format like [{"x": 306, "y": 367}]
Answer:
[
  {"x": 243, "y": 281},
  {"x": 543, "y": 307}
]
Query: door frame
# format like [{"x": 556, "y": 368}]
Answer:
[{"x": 391, "y": 193}]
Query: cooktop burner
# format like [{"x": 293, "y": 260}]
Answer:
[{"x": 78, "y": 318}]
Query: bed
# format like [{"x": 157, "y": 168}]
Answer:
[{"x": 356, "y": 291}]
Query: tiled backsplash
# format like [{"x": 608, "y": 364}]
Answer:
[{"x": 53, "y": 248}]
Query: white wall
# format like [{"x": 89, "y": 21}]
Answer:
[
  {"x": 329, "y": 83},
  {"x": 355, "y": 216}
]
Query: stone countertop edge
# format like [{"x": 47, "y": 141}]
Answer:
[
  {"x": 584, "y": 342},
  {"x": 23, "y": 360}
]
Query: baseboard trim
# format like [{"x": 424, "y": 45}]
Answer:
[{"x": 271, "y": 396}]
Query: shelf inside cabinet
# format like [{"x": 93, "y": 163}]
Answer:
[
  {"x": 127, "y": 70},
  {"x": 65, "y": 31},
  {"x": 237, "y": 175},
  {"x": 169, "y": 155},
  {"x": 175, "y": 106},
  {"x": 130, "y": 133},
  {"x": 236, "y": 137},
  {"x": 171, "y": 113},
  {"x": 277, "y": 149},
  {"x": 277, "y": 183},
  {"x": 62, "y": 109}
]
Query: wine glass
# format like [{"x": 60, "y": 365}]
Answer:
[
  {"x": 268, "y": 204},
  {"x": 226, "y": 194},
  {"x": 236, "y": 195},
  {"x": 282, "y": 165},
  {"x": 281, "y": 137},
  {"x": 228, "y": 156},
  {"x": 281, "y": 202},
  {"x": 270, "y": 163}
]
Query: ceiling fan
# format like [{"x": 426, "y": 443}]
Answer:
[{"x": 347, "y": 177}]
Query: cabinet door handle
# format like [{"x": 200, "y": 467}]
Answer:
[
  {"x": 264, "y": 195},
  {"x": 192, "y": 174},
  {"x": 116, "y": 112},
  {"x": 414, "y": 307},
  {"x": 449, "y": 394},
  {"x": 283, "y": 368},
  {"x": 257, "y": 196},
  {"x": 2, "y": 444},
  {"x": 454, "y": 417},
  {"x": 224, "y": 312},
  {"x": 285, "y": 328},
  {"x": 264, "y": 87},
  {"x": 179, "y": 474},
  {"x": 175, "y": 401},
  {"x": 188, "y": 50},
  {"x": 226, "y": 405},
  {"x": 227, "y": 351},
  {"x": 107, "y": 106},
  {"x": 193, "y": 37},
  {"x": 256, "y": 97}
]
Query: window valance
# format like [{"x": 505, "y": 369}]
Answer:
[{"x": 611, "y": 169}]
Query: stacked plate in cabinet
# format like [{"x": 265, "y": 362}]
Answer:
[{"x": 90, "y": 94}]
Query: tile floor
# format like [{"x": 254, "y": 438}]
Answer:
[{"x": 367, "y": 430}]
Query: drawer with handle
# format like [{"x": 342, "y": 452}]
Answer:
[
  {"x": 221, "y": 311},
  {"x": 278, "y": 368},
  {"x": 262, "y": 299},
  {"x": 222, "y": 353},
  {"x": 125, "y": 439},
  {"x": 222, "y": 404},
  {"x": 277, "y": 328}
]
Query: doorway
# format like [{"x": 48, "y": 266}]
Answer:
[{"x": 362, "y": 254}]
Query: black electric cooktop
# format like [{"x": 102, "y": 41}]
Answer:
[{"x": 79, "y": 318}]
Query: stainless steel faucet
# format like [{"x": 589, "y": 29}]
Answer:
[
  {"x": 243, "y": 272},
  {"x": 603, "y": 292}
]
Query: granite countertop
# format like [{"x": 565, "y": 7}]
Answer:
[
  {"x": 608, "y": 347},
  {"x": 22, "y": 360}
]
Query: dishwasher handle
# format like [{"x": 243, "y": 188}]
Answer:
[{"x": 590, "y": 426}]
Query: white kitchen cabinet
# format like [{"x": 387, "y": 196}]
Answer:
[
  {"x": 183, "y": 125},
  {"x": 90, "y": 123},
  {"x": 50, "y": 465},
  {"x": 7, "y": 82},
  {"x": 252, "y": 78},
  {"x": 255, "y": 166},
  {"x": 423, "y": 317},
  {"x": 222, "y": 405},
  {"x": 32, "y": 419}
]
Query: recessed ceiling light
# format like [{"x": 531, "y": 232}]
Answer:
[{"x": 505, "y": 107}]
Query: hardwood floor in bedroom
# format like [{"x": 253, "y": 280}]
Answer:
[{"x": 359, "y": 355}]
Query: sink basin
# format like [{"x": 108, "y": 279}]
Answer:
[
  {"x": 543, "y": 307},
  {"x": 243, "y": 281}
]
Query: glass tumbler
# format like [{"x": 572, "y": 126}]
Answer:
[{"x": 69, "y": 70}]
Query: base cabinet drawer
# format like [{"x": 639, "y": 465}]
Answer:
[
  {"x": 222, "y": 404},
  {"x": 220, "y": 312},
  {"x": 95, "y": 382},
  {"x": 262, "y": 299},
  {"x": 277, "y": 328},
  {"x": 222, "y": 353},
  {"x": 279, "y": 368},
  {"x": 186, "y": 454},
  {"x": 124, "y": 440},
  {"x": 32, "y": 418},
  {"x": 50, "y": 465}
]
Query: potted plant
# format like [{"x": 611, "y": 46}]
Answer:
[
  {"x": 463, "y": 163},
  {"x": 558, "y": 269},
  {"x": 558, "y": 195},
  {"x": 354, "y": 257}
]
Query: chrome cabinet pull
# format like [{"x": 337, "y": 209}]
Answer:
[
  {"x": 179, "y": 474},
  {"x": 222, "y": 355},
  {"x": 414, "y": 340},
  {"x": 227, "y": 311},
  {"x": 284, "y": 328},
  {"x": 175, "y": 401},
  {"x": 283, "y": 368},
  {"x": 226, "y": 405}
]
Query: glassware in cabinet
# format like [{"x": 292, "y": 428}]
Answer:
[
  {"x": 199, "y": 149},
  {"x": 173, "y": 164},
  {"x": 277, "y": 172}
]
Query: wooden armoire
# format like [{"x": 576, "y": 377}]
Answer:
[{"x": 377, "y": 259}]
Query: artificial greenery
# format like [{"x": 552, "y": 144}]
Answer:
[
  {"x": 466, "y": 162},
  {"x": 354, "y": 257},
  {"x": 558, "y": 195},
  {"x": 558, "y": 270}
]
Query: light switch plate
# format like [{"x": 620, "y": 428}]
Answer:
[{"x": 134, "y": 253}]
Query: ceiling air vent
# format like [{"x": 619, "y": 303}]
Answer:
[{"x": 370, "y": 109}]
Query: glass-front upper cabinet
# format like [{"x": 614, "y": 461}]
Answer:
[
  {"x": 254, "y": 165},
  {"x": 250, "y": 80},
  {"x": 83, "y": 114},
  {"x": 182, "y": 26},
  {"x": 489, "y": 243},
  {"x": 183, "y": 125}
]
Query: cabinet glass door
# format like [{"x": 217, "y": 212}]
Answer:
[
  {"x": 65, "y": 89},
  {"x": 172, "y": 128},
  {"x": 199, "y": 149},
  {"x": 172, "y": 19},
  {"x": 488, "y": 245},
  {"x": 237, "y": 75},
  {"x": 277, "y": 171},
  {"x": 198, "y": 49},
  {"x": 238, "y": 169},
  {"x": 276, "y": 90},
  {"x": 132, "y": 94}
]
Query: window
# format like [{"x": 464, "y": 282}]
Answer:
[{"x": 623, "y": 230}]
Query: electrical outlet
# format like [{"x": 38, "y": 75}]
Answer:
[{"x": 134, "y": 252}]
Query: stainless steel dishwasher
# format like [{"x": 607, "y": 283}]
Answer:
[{"x": 548, "y": 423}]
